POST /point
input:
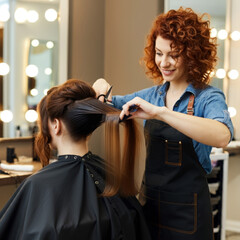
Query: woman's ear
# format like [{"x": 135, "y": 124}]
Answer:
[{"x": 57, "y": 126}]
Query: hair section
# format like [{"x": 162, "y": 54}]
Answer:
[{"x": 75, "y": 103}]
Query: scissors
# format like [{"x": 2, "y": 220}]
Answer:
[{"x": 107, "y": 95}]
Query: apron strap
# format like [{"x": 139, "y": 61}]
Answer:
[{"x": 190, "y": 109}]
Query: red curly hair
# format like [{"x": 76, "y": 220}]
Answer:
[{"x": 190, "y": 36}]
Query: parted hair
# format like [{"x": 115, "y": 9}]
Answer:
[
  {"x": 75, "y": 103},
  {"x": 190, "y": 36}
]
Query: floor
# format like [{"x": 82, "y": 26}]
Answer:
[{"x": 232, "y": 236}]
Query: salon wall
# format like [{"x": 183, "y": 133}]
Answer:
[{"x": 233, "y": 198}]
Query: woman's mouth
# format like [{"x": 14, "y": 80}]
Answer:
[{"x": 167, "y": 72}]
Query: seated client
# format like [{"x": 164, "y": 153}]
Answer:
[{"x": 79, "y": 196}]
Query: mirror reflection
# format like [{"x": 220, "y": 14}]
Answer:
[
  {"x": 40, "y": 72},
  {"x": 30, "y": 54}
]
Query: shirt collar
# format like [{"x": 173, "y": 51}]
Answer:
[{"x": 164, "y": 87}]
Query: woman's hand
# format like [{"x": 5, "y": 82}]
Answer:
[
  {"x": 101, "y": 86},
  {"x": 142, "y": 109}
]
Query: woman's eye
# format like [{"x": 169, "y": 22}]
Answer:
[{"x": 158, "y": 54}]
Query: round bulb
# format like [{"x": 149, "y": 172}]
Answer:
[
  {"x": 32, "y": 70},
  {"x": 235, "y": 35},
  {"x": 4, "y": 13},
  {"x": 45, "y": 91},
  {"x": 4, "y": 69},
  {"x": 32, "y": 16},
  {"x": 220, "y": 73},
  {"x": 232, "y": 111},
  {"x": 48, "y": 71},
  {"x": 6, "y": 116},
  {"x": 50, "y": 44},
  {"x": 20, "y": 15},
  {"x": 213, "y": 32},
  {"x": 51, "y": 15},
  {"x": 233, "y": 74},
  {"x": 31, "y": 115},
  {"x": 35, "y": 43},
  {"x": 34, "y": 92},
  {"x": 222, "y": 34}
]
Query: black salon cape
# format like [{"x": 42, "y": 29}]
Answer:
[{"x": 61, "y": 202}]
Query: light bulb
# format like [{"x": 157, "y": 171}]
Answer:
[
  {"x": 32, "y": 70},
  {"x": 34, "y": 92},
  {"x": 6, "y": 116},
  {"x": 48, "y": 71},
  {"x": 31, "y": 115},
  {"x": 233, "y": 74},
  {"x": 235, "y": 35},
  {"x": 4, "y": 69},
  {"x": 220, "y": 73},
  {"x": 34, "y": 42},
  {"x": 50, "y": 44},
  {"x": 232, "y": 111},
  {"x": 222, "y": 34},
  {"x": 20, "y": 15},
  {"x": 32, "y": 16},
  {"x": 45, "y": 91},
  {"x": 4, "y": 13},
  {"x": 213, "y": 32},
  {"x": 51, "y": 15}
]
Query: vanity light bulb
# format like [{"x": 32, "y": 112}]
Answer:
[
  {"x": 20, "y": 15},
  {"x": 31, "y": 115},
  {"x": 222, "y": 34},
  {"x": 220, "y": 73},
  {"x": 4, "y": 69},
  {"x": 213, "y": 33},
  {"x": 34, "y": 92},
  {"x": 4, "y": 13},
  {"x": 232, "y": 111},
  {"x": 48, "y": 71},
  {"x": 50, "y": 44},
  {"x": 45, "y": 91},
  {"x": 235, "y": 35},
  {"x": 233, "y": 74},
  {"x": 6, "y": 116},
  {"x": 31, "y": 70},
  {"x": 35, "y": 43},
  {"x": 51, "y": 15},
  {"x": 32, "y": 16}
]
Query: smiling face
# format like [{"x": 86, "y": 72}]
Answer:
[{"x": 170, "y": 64}]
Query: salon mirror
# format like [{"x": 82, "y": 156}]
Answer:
[
  {"x": 31, "y": 48},
  {"x": 217, "y": 21}
]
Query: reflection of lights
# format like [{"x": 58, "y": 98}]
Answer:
[
  {"x": 222, "y": 34},
  {"x": 235, "y": 35},
  {"x": 31, "y": 115},
  {"x": 6, "y": 116},
  {"x": 4, "y": 69},
  {"x": 32, "y": 16},
  {"x": 51, "y": 15},
  {"x": 232, "y": 111},
  {"x": 213, "y": 32},
  {"x": 35, "y": 42},
  {"x": 48, "y": 71},
  {"x": 20, "y": 15},
  {"x": 45, "y": 91},
  {"x": 220, "y": 73},
  {"x": 32, "y": 71},
  {"x": 233, "y": 74},
  {"x": 4, "y": 13},
  {"x": 50, "y": 44},
  {"x": 34, "y": 92}
]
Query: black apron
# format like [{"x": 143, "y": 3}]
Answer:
[{"x": 177, "y": 200}]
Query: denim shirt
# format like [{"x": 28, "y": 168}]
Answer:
[{"x": 209, "y": 103}]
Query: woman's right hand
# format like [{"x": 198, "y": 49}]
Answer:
[{"x": 101, "y": 86}]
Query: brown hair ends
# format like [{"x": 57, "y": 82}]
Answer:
[{"x": 75, "y": 103}]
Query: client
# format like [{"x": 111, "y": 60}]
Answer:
[{"x": 79, "y": 196}]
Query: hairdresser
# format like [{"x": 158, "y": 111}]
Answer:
[{"x": 185, "y": 118}]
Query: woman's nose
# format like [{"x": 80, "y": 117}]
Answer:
[{"x": 165, "y": 62}]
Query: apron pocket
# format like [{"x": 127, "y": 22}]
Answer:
[
  {"x": 173, "y": 153},
  {"x": 172, "y": 211}
]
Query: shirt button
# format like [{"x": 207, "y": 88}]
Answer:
[
  {"x": 91, "y": 175},
  {"x": 75, "y": 157},
  {"x": 96, "y": 182},
  {"x": 66, "y": 157}
]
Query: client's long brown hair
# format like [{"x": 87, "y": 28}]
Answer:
[{"x": 75, "y": 103}]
